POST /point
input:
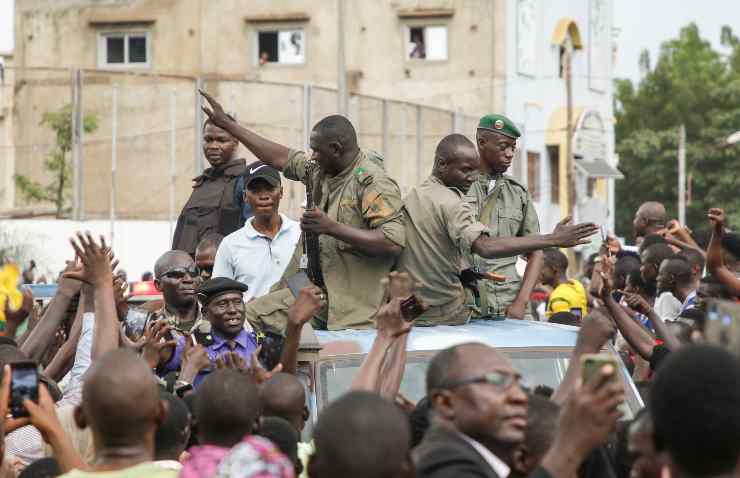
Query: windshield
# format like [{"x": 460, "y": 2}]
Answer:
[{"x": 538, "y": 367}]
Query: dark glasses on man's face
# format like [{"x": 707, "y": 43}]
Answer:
[
  {"x": 500, "y": 380},
  {"x": 181, "y": 272}
]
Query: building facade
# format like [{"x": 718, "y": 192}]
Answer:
[{"x": 443, "y": 62}]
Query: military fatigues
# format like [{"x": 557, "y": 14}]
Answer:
[
  {"x": 213, "y": 206},
  {"x": 439, "y": 224},
  {"x": 173, "y": 321},
  {"x": 361, "y": 196},
  {"x": 507, "y": 209}
]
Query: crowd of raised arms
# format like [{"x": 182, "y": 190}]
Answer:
[{"x": 204, "y": 381}]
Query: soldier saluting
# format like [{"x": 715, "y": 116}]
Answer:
[{"x": 357, "y": 218}]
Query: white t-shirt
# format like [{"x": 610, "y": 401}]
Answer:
[
  {"x": 667, "y": 306},
  {"x": 254, "y": 259}
]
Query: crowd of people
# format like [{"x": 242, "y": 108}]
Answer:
[{"x": 204, "y": 381}]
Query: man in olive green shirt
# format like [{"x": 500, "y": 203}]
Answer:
[
  {"x": 441, "y": 226},
  {"x": 506, "y": 207},
  {"x": 357, "y": 217}
]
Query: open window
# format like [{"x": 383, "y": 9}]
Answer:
[
  {"x": 124, "y": 50},
  {"x": 426, "y": 42},
  {"x": 287, "y": 47}
]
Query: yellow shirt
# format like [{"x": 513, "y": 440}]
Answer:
[{"x": 570, "y": 296}]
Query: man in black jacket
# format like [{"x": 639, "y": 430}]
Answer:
[{"x": 480, "y": 415}]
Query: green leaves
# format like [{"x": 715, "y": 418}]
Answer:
[
  {"x": 690, "y": 84},
  {"x": 58, "y": 190}
]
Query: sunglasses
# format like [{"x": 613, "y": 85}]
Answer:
[
  {"x": 502, "y": 381},
  {"x": 181, "y": 272}
]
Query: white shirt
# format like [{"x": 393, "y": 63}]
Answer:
[
  {"x": 667, "y": 306},
  {"x": 498, "y": 466},
  {"x": 254, "y": 259}
]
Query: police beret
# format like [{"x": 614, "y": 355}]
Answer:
[
  {"x": 212, "y": 288},
  {"x": 499, "y": 124}
]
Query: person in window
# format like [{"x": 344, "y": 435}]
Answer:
[
  {"x": 419, "y": 50},
  {"x": 264, "y": 58}
]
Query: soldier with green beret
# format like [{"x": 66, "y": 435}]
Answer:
[{"x": 506, "y": 207}]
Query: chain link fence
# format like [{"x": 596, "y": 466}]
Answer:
[{"x": 139, "y": 159}]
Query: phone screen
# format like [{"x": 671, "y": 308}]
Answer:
[{"x": 24, "y": 384}]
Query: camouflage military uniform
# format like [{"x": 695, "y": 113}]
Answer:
[
  {"x": 439, "y": 224},
  {"x": 173, "y": 321},
  {"x": 507, "y": 209},
  {"x": 361, "y": 196}
]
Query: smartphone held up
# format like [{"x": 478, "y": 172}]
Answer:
[{"x": 24, "y": 384}]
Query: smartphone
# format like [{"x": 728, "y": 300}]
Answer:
[
  {"x": 24, "y": 384},
  {"x": 722, "y": 326},
  {"x": 411, "y": 309},
  {"x": 298, "y": 281},
  {"x": 272, "y": 349},
  {"x": 591, "y": 365}
]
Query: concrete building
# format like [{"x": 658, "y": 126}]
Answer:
[{"x": 458, "y": 59}]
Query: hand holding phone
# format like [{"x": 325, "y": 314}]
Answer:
[
  {"x": 592, "y": 366},
  {"x": 24, "y": 384},
  {"x": 411, "y": 308}
]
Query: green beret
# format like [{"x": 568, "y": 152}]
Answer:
[
  {"x": 217, "y": 286},
  {"x": 499, "y": 124}
]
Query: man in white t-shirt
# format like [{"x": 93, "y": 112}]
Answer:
[{"x": 258, "y": 253}]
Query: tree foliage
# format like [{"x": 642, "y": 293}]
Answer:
[
  {"x": 57, "y": 190},
  {"x": 692, "y": 84}
]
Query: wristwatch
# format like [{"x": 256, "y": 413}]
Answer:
[{"x": 182, "y": 387}]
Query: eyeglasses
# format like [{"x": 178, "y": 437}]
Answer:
[
  {"x": 180, "y": 272},
  {"x": 501, "y": 380}
]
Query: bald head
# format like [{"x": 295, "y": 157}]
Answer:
[
  {"x": 449, "y": 148},
  {"x": 462, "y": 361},
  {"x": 170, "y": 260},
  {"x": 337, "y": 128},
  {"x": 120, "y": 401},
  {"x": 650, "y": 217},
  {"x": 284, "y": 396}
]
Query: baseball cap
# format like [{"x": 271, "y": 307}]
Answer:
[{"x": 260, "y": 170}]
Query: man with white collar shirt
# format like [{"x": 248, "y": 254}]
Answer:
[{"x": 258, "y": 253}]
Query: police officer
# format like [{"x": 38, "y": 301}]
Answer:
[
  {"x": 506, "y": 207},
  {"x": 440, "y": 225},
  {"x": 357, "y": 217},
  {"x": 217, "y": 201}
]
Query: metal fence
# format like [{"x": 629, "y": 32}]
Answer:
[{"x": 140, "y": 159}]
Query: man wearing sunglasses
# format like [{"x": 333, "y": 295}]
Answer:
[{"x": 177, "y": 277}]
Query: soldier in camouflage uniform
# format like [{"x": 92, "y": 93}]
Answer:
[
  {"x": 357, "y": 217},
  {"x": 506, "y": 207}
]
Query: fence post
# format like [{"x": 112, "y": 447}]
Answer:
[
  {"x": 198, "y": 127},
  {"x": 419, "y": 144},
  {"x": 113, "y": 163},
  {"x": 173, "y": 156},
  {"x": 306, "y": 116},
  {"x": 385, "y": 124}
]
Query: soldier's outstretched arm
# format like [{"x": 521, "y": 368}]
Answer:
[
  {"x": 564, "y": 235},
  {"x": 270, "y": 152}
]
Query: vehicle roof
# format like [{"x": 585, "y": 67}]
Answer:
[{"x": 496, "y": 333}]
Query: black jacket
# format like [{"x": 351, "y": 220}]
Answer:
[
  {"x": 212, "y": 206},
  {"x": 445, "y": 454}
]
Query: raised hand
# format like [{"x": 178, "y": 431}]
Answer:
[
  {"x": 232, "y": 360},
  {"x": 389, "y": 319},
  {"x": 717, "y": 218},
  {"x": 120, "y": 296},
  {"x": 158, "y": 344},
  {"x": 258, "y": 372},
  {"x": 637, "y": 303},
  {"x": 194, "y": 360},
  {"x": 216, "y": 112},
  {"x": 309, "y": 302},
  {"x": 569, "y": 235},
  {"x": 96, "y": 268},
  {"x": 43, "y": 415},
  {"x": 596, "y": 329}
]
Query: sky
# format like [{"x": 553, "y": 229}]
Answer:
[{"x": 642, "y": 23}]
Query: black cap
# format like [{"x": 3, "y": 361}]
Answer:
[
  {"x": 260, "y": 170},
  {"x": 212, "y": 288}
]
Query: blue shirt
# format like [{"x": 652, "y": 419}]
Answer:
[{"x": 246, "y": 344}]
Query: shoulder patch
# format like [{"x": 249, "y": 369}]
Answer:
[{"x": 363, "y": 175}]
